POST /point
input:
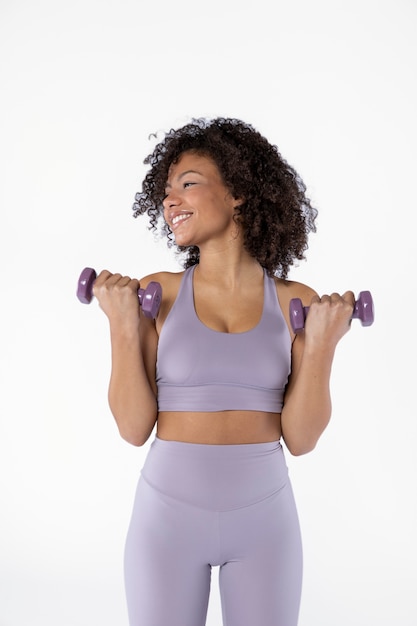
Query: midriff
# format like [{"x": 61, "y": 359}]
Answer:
[{"x": 217, "y": 428}]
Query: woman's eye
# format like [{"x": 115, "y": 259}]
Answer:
[{"x": 188, "y": 184}]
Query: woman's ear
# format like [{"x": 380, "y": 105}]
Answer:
[{"x": 238, "y": 202}]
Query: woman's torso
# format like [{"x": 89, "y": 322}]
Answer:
[{"x": 231, "y": 314}]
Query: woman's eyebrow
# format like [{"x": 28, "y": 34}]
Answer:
[{"x": 185, "y": 174}]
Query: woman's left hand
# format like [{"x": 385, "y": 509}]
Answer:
[{"x": 329, "y": 317}]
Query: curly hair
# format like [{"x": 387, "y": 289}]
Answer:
[{"x": 276, "y": 214}]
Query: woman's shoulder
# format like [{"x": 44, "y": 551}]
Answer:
[
  {"x": 289, "y": 289},
  {"x": 170, "y": 284},
  {"x": 162, "y": 278},
  {"x": 169, "y": 281}
]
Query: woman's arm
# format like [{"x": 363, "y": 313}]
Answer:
[
  {"x": 132, "y": 388},
  {"x": 307, "y": 403}
]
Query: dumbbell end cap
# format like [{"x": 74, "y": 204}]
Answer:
[
  {"x": 150, "y": 299},
  {"x": 366, "y": 305},
  {"x": 85, "y": 285},
  {"x": 297, "y": 315}
]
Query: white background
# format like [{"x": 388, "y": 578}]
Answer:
[{"x": 83, "y": 84}]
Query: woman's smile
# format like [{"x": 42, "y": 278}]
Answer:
[
  {"x": 178, "y": 219},
  {"x": 195, "y": 189}
]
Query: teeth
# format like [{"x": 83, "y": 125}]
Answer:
[{"x": 179, "y": 218}]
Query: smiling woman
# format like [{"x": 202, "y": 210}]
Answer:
[
  {"x": 223, "y": 377},
  {"x": 195, "y": 189},
  {"x": 275, "y": 210}
]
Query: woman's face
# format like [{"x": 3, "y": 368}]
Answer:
[{"x": 198, "y": 207}]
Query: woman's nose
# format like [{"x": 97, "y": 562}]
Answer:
[{"x": 171, "y": 199}]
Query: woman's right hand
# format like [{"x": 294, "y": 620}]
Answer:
[{"x": 117, "y": 296}]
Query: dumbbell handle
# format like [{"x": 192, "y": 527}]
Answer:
[
  {"x": 363, "y": 310},
  {"x": 149, "y": 298}
]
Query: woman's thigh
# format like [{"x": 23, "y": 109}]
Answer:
[
  {"x": 261, "y": 577},
  {"x": 167, "y": 571}
]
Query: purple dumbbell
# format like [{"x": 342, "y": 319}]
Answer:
[
  {"x": 149, "y": 298},
  {"x": 363, "y": 310}
]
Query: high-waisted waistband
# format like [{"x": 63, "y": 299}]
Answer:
[{"x": 216, "y": 477}]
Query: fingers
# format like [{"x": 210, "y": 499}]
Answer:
[
  {"x": 344, "y": 303},
  {"x": 336, "y": 299},
  {"x": 349, "y": 296},
  {"x": 117, "y": 296},
  {"x": 107, "y": 282},
  {"x": 329, "y": 318}
]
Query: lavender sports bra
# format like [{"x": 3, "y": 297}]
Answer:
[{"x": 200, "y": 369}]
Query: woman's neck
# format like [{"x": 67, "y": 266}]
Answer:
[{"x": 230, "y": 269}]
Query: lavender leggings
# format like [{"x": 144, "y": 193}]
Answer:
[{"x": 199, "y": 506}]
